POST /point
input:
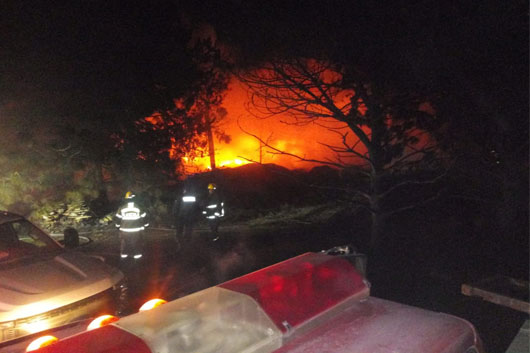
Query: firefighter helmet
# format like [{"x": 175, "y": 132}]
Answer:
[
  {"x": 212, "y": 186},
  {"x": 129, "y": 195}
]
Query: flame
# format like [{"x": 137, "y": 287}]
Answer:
[
  {"x": 310, "y": 141},
  {"x": 307, "y": 141},
  {"x": 235, "y": 162},
  {"x": 226, "y": 156}
]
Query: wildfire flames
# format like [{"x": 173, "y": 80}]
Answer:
[
  {"x": 251, "y": 138},
  {"x": 305, "y": 141}
]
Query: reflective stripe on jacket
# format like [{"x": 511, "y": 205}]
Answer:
[{"x": 131, "y": 218}]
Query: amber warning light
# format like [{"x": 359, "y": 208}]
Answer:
[
  {"x": 101, "y": 321},
  {"x": 41, "y": 342},
  {"x": 151, "y": 304}
]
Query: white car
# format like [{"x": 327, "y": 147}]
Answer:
[{"x": 43, "y": 285}]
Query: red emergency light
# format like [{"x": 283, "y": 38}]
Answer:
[
  {"x": 253, "y": 313},
  {"x": 295, "y": 292}
]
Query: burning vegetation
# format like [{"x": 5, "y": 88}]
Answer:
[{"x": 309, "y": 141}]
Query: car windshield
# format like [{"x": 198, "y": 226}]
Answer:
[{"x": 20, "y": 239}]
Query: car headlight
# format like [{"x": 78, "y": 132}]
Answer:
[
  {"x": 89, "y": 307},
  {"x": 13, "y": 329},
  {"x": 7, "y": 330}
]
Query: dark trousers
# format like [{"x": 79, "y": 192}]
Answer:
[
  {"x": 131, "y": 243},
  {"x": 213, "y": 223},
  {"x": 184, "y": 226}
]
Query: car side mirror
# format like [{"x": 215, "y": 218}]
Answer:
[{"x": 71, "y": 238}]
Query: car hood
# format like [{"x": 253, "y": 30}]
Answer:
[{"x": 41, "y": 285}]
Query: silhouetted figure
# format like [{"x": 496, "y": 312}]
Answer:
[
  {"x": 214, "y": 210},
  {"x": 185, "y": 211},
  {"x": 131, "y": 220}
]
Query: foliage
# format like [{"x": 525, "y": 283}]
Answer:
[
  {"x": 36, "y": 168},
  {"x": 161, "y": 140},
  {"x": 56, "y": 216}
]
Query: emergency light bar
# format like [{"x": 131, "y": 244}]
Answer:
[{"x": 255, "y": 313}]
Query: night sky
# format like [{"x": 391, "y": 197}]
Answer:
[
  {"x": 101, "y": 57},
  {"x": 90, "y": 57}
]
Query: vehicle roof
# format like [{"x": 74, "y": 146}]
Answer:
[
  {"x": 6, "y": 216},
  {"x": 376, "y": 325}
]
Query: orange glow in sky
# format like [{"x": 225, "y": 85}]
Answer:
[{"x": 305, "y": 141}]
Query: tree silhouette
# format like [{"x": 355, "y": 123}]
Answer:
[
  {"x": 382, "y": 134},
  {"x": 209, "y": 93},
  {"x": 185, "y": 127}
]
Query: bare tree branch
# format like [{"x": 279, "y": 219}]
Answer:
[
  {"x": 280, "y": 152},
  {"x": 381, "y": 134},
  {"x": 413, "y": 182},
  {"x": 412, "y": 206}
]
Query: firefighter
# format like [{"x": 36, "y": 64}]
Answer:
[
  {"x": 185, "y": 210},
  {"x": 214, "y": 210},
  {"x": 131, "y": 220}
]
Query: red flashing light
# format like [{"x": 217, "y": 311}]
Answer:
[{"x": 297, "y": 290}]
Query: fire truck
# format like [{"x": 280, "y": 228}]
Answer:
[{"x": 312, "y": 303}]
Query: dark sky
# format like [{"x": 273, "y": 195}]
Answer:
[
  {"x": 80, "y": 57},
  {"x": 108, "y": 56}
]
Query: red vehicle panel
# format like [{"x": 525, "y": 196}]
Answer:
[{"x": 379, "y": 326}]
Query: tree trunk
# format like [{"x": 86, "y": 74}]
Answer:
[
  {"x": 376, "y": 154},
  {"x": 378, "y": 217},
  {"x": 260, "y": 152},
  {"x": 99, "y": 179},
  {"x": 211, "y": 146}
]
